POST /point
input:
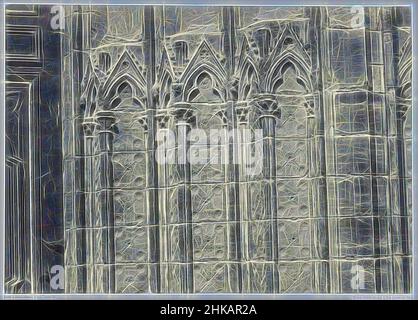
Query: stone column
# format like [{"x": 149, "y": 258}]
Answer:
[
  {"x": 105, "y": 219},
  {"x": 153, "y": 213},
  {"x": 269, "y": 113},
  {"x": 163, "y": 200},
  {"x": 229, "y": 151},
  {"x": 184, "y": 120},
  {"x": 243, "y": 147},
  {"x": 85, "y": 238}
]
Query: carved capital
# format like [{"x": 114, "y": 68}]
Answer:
[
  {"x": 242, "y": 114},
  {"x": 106, "y": 121},
  {"x": 267, "y": 105},
  {"x": 88, "y": 127},
  {"x": 184, "y": 113},
  {"x": 162, "y": 120}
]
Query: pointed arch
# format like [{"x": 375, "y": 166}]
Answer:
[
  {"x": 289, "y": 40},
  {"x": 245, "y": 53},
  {"x": 247, "y": 74},
  {"x": 165, "y": 77},
  {"x": 137, "y": 86},
  {"x": 204, "y": 55},
  {"x": 165, "y": 90},
  {"x": 89, "y": 97},
  {"x": 278, "y": 68},
  {"x": 126, "y": 65},
  {"x": 287, "y": 74},
  {"x": 191, "y": 82},
  {"x": 288, "y": 48},
  {"x": 165, "y": 65}
]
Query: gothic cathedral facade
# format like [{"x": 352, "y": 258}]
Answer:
[{"x": 330, "y": 90}]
